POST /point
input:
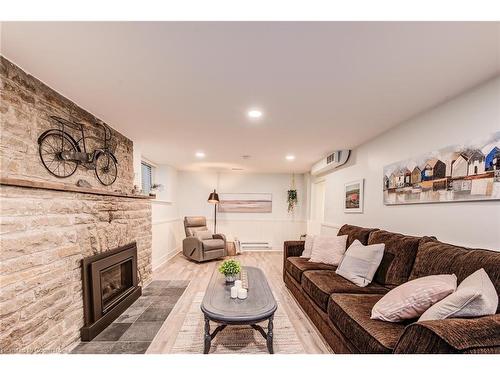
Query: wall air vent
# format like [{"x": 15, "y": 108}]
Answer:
[{"x": 332, "y": 161}]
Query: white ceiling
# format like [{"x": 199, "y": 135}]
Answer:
[{"x": 178, "y": 88}]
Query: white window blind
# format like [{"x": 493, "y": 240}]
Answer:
[{"x": 147, "y": 177}]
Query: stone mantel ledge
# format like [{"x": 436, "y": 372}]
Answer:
[{"x": 45, "y": 185}]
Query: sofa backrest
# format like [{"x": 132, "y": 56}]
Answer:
[
  {"x": 435, "y": 257},
  {"x": 355, "y": 233},
  {"x": 399, "y": 254}
]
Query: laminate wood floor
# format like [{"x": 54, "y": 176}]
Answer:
[{"x": 271, "y": 262}]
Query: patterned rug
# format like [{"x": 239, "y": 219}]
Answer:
[{"x": 235, "y": 339}]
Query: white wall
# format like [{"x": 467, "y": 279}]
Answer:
[
  {"x": 275, "y": 227},
  {"x": 471, "y": 115},
  {"x": 166, "y": 223}
]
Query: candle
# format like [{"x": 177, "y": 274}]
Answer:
[
  {"x": 234, "y": 292},
  {"x": 242, "y": 293},
  {"x": 238, "y": 284}
]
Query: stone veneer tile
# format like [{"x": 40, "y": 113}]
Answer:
[
  {"x": 141, "y": 331},
  {"x": 154, "y": 313},
  {"x": 113, "y": 332},
  {"x": 93, "y": 347},
  {"x": 130, "y": 347}
]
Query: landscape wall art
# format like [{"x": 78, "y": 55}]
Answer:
[
  {"x": 246, "y": 202},
  {"x": 466, "y": 172},
  {"x": 353, "y": 196}
]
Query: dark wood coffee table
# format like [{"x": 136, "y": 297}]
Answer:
[{"x": 219, "y": 307}]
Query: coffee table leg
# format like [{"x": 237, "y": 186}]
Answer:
[
  {"x": 270, "y": 335},
  {"x": 208, "y": 337}
]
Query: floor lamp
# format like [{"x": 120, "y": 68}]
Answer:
[{"x": 214, "y": 199}]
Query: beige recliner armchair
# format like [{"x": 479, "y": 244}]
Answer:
[{"x": 200, "y": 244}]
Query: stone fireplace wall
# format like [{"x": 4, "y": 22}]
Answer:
[
  {"x": 45, "y": 233},
  {"x": 26, "y": 105}
]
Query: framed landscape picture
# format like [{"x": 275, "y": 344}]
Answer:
[
  {"x": 246, "y": 202},
  {"x": 353, "y": 196},
  {"x": 464, "y": 172}
]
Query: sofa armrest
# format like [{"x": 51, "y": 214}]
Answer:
[
  {"x": 477, "y": 335},
  {"x": 293, "y": 248}
]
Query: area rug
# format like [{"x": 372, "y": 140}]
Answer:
[{"x": 235, "y": 339}]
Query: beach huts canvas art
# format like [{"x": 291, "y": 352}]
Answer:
[
  {"x": 246, "y": 202},
  {"x": 466, "y": 172}
]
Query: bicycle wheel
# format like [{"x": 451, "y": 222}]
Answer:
[
  {"x": 50, "y": 147},
  {"x": 105, "y": 168}
]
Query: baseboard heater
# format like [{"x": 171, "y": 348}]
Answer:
[{"x": 255, "y": 245}]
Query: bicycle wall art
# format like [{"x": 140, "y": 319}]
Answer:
[{"x": 61, "y": 153}]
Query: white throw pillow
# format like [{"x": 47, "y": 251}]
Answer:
[
  {"x": 412, "y": 298},
  {"x": 475, "y": 296},
  {"x": 204, "y": 234},
  {"x": 308, "y": 246},
  {"x": 360, "y": 262},
  {"x": 328, "y": 250}
]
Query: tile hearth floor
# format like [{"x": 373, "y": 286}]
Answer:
[{"x": 133, "y": 331}]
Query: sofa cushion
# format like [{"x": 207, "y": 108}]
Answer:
[
  {"x": 319, "y": 285},
  {"x": 295, "y": 266},
  {"x": 212, "y": 244},
  {"x": 435, "y": 257},
  {"x": 399, "y": 255},
  {"x": 355, "y": 233},
  {"x": 351, "y": 315}
]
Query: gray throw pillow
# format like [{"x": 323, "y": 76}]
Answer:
[{"x": 360, "y": 263}]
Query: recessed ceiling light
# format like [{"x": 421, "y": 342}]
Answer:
[
  {"x": 290, "y": 157},
  {"x": 200, "y": 154},
  {"x": 254, "y": 113}
]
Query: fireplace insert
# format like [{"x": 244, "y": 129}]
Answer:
[{"x": 110, "y": 285}]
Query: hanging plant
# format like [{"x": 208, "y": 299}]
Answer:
[
  {"x": 292, "y": 196},
  {"x": 292, "y": 200}
]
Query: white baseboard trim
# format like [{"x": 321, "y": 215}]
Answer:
[
  {"x": 261, "y": 251},
  {"x": 167, "y": 257}
]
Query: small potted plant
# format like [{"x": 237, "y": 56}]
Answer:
[{"x": 230, "y": 269}]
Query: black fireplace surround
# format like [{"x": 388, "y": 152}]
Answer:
[{"x": 110, "y": 285}]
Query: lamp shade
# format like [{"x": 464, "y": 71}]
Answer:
[{"x": 213, "y": 197}]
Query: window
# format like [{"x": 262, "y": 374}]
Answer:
[{"x": 147, "y": 177}]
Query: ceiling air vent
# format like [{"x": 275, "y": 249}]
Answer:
[
  {"x": 330, "y": 158},
  {"x": 332, "y": 161}
]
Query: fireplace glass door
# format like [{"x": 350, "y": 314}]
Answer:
[{"x": 115, "y": 281}]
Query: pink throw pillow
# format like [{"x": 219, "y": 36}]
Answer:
[{"x": 412, "y": 298}]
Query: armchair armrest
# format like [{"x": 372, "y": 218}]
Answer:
[
  {"x": 192, "y": 247},
  {"x": 457, "y": 335},
  {"x": 219, "y": 236}
]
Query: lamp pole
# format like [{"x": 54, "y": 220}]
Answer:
[
  {"x": 215, "y": 218},
  {"x": 214, "y": 199}
]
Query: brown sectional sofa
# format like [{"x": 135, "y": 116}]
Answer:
[{"x": 341, "y": 310}]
